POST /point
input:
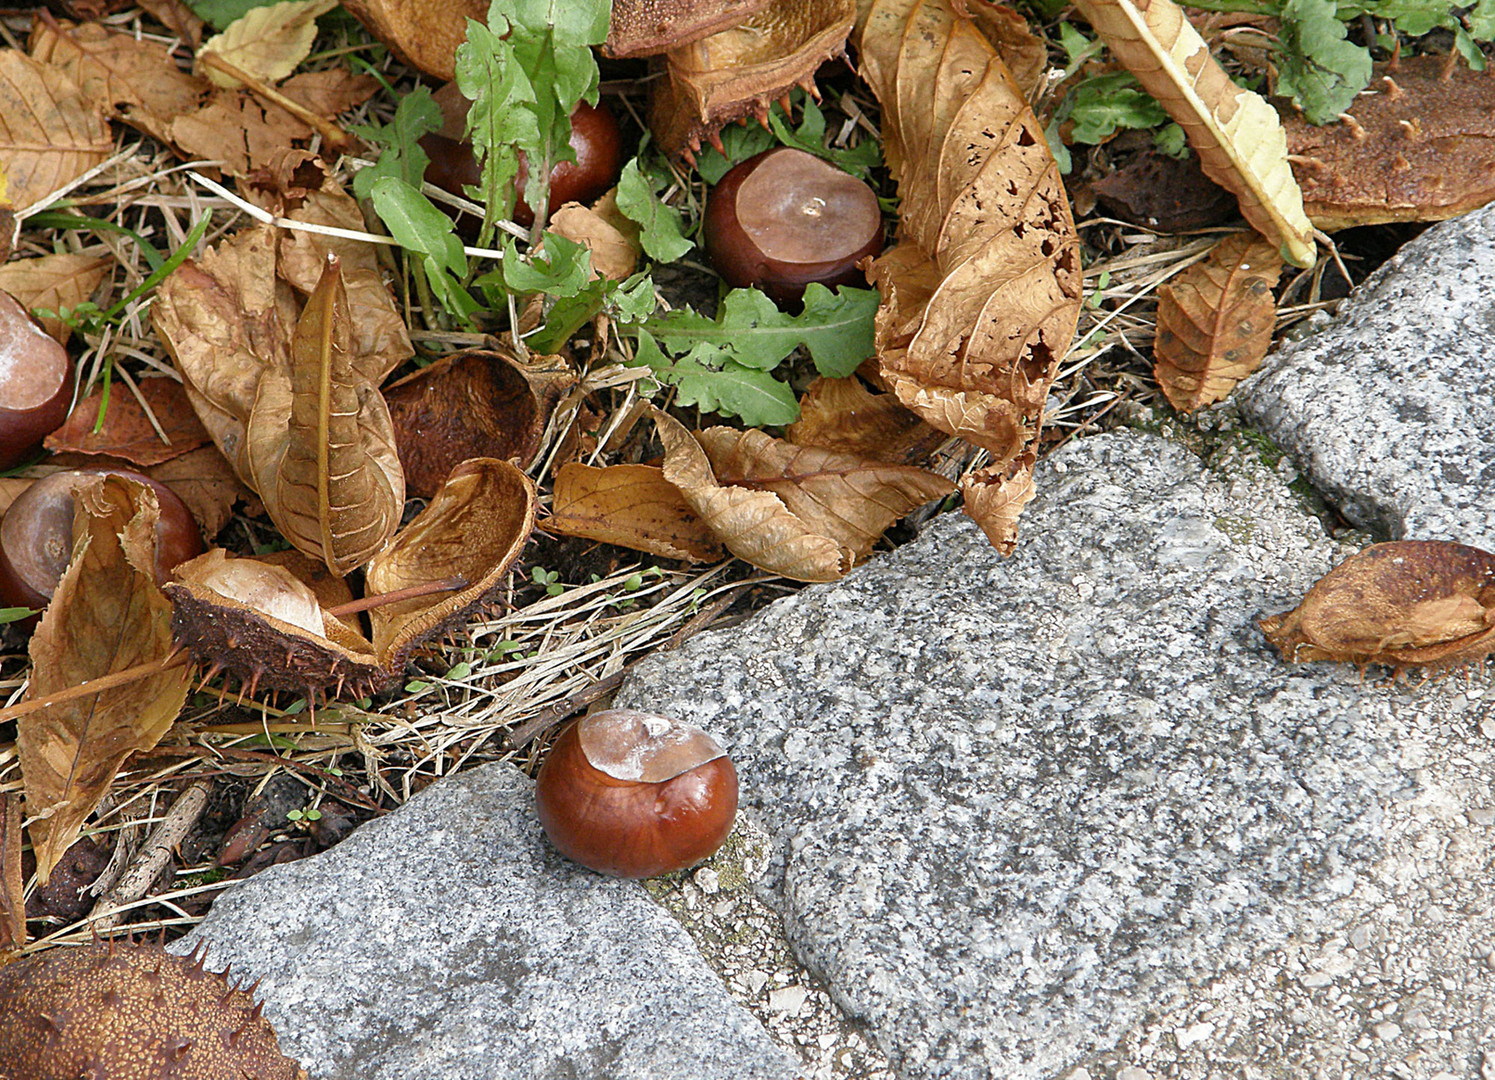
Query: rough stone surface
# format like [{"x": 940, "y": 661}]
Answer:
[
  {"x": 1068, "y": 815},
  {"x": 1388, "y": 407},
  {"x": 448, "y": 941}
]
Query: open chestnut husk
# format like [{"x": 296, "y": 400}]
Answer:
[
  {"x": 36, "y": 535},
  {"x": 784, "y": 218},
  {"x": 635, "y": 794},
  {"x": 36, "y": 383}
]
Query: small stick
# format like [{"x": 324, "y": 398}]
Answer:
[
  {"x": 451, "y": 584},
  {"x": 153, "y": 857},
  {"x": 176, "y": 658},
  {"x": 332, "y": 135}
]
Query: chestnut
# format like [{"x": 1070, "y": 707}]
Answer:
[
  {"x": 784, "y": 218},
  {"x": 635, "y": 794},
  {"x": 595, "y": 137},
  {"x": 36, "y": 535},
  {"x": 36, "y": 383}
]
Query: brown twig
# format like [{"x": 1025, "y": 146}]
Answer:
[
  {"x": 136, "y": 881},
  {"x": 395, "y": 596},
  {"x": 176, "y": 658}
]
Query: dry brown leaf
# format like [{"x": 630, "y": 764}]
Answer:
[
  {"x": 1404, "y": 604},
  {"x": 1025, "y": 53},
  {"x": 473, "y": 530},
  {"x": 12, "y": 882},
  {"x": 1215, "y": 321},
  {"x": 843, "y": 415},
  {"x": 331, "y": 91},
  {"x": 106, "y": 615},
  {"x": 50, "y": 133},
  {"x": 207, "y": 483},
  {"x": 632, "y": 506},
  {"x": 1240, "y": 144},
  {"x": 736, "y": 73},
  {"x": 1418, "y": 144},
  {"x": 481, "y": 403},
  {"x": 267, "y": 42},
  {"x": 981, "y": 296},
  {"x": 607, "y": 233},
  {"x": 1165, "y": 193},
  {"x": 126, "y": 431},
  {"x": 381, "y": 342},
  {"x": 995, "y": 497},
  {"x": 424, "y": 33},
  {"x": 54, "y": 282},
  {"x": 320, "y": 444},
  {"x": 178, "y": 17}
]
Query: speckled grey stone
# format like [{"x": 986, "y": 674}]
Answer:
[
  {"x": 1390, "y": 407},
  {"x": 448, "y": 941},
  {"x": 1023, "y": 808}
]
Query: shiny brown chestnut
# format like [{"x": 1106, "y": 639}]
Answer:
[
  {"x": 784, "y": 218},
  {"x": 595, "y": 137},
  {"x": 36, "y": 383},
  {"x": 36, "y": 535},
  {"x": 635, "y": 794}
]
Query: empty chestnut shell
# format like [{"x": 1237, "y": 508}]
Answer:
[
  {"x": 784, "y": 218},
  {"x": 634, "y": 794},
  {"x": 36, "y": 383},
  {"x": 595, "y": 137},
  {"x": 36, "y": 535}
]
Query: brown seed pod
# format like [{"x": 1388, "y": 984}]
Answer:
[
  {"x": 117, "y": 1010},
  {"x": 636, "y": 794},
  {"x": 1411, "y": 603}
]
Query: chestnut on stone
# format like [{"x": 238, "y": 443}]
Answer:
[
  {"x": 784, "y": 218},
  {"x": 635, "y": 794},
  {"x": 36, "y": 383}
]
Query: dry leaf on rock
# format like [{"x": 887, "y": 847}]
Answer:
[
  {"x": 320, "y": 444},
  {"x": 473, "y": 530},
  {"x": 50, "y": 133},
  {"x": 126, "y": 431},
  {"x": 843, "y": 415},
  {"x": 54, "y": 282},
  {"x": 981, "y": 296},
  {"x": 481, "y": 403},
  {"x": 632, "y": 506},
  {"x": 1240, "y": 144},
  {"x": 106, "y": 615},
  {"x": 738, "y": 72},
  {"x": 425, "y": 33},
  {"x": 804, "y": 513},
  {"x": 1215, "y": 321},
  {"x": 1406, "y": 603},
  {"x": 1418, "y": 145},
  {"x": 267, "y": 42}
]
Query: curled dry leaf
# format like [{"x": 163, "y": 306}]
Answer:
[
  {"x": 843, "y": 415},
  {"x": 1240, "y": 144},
  {"x": 481, "y": 403},
  {"x": 738, "y": 72},
  {"x": 632, "y": 506},
  {"x": 1417, "y": 144},
  {"x": 320, "y": 443},
  {"x": 981, "y": 295},
  {"x": 106, "y": 615},
  {"x": 424, "y": 33},
  {"x": 50, "y": 133},
  {"x": 126, "y": 431},
  {"x": 54, "y": 282},
  {"x": 473, "y": 530},
  {"x": 804, "y": 513},
  {"x": 1407, "y": 603},
  {"x": 1215, "y": 321},
  {"x": 612, "y": 239}
]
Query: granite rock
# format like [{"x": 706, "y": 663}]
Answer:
[
  {"x": 1067, "y": 814},
  {"x": 1388, "y": 406},
  {"x": 448, "y": 941}
]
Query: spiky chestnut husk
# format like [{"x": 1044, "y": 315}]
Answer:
[
  {"x": 118, "y": 1010},
  {"x": 261, "y": 652}
]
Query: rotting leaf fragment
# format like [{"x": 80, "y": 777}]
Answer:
[{"x": 1409, "y": 603}]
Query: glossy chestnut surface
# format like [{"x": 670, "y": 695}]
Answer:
[
  {"x": 784, "y": 218},
  {"x": 36, "y": 383},
  {"x": 36, "y": 535},
  {"x": 635, "y": 794},
  {"x": 595, "y": 137}
]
